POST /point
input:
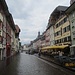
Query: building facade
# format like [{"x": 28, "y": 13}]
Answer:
[
  {"x": 3, "y": 25},
  {"x": 47, "y": 37},
  {"x": 43, "y": 39},
  {"x": 62, "y": 31},
  {"x": 52, "y": 40},
  {"x": 7, "y": 31},
  {"x": 71, "y": 14},
  {"x": 61, "y": 27},
  {"x": 17, "y": 40},
  {"x": 12, "y": 42},
  {"x": 51, "y": 30}
]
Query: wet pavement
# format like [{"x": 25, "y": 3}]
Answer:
[{"x": 24, "y": 64}]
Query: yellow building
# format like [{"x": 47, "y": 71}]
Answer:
[{"x": 62, "y": 31}]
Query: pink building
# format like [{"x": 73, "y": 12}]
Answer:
[
  {"x": 6, "y": 25},
  {"x": 43, "y": 41},
  {"x": 47, "y": 37}
]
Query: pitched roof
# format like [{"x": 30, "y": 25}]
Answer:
[
  {"x": 17, "y": 28},
  {"x": 59, "y": 9},
  {"x": 70, "y": 8}
]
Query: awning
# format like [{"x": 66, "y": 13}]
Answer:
[
  {"x": 54, "y": 47},
  {"x": 43, "y": 50}
]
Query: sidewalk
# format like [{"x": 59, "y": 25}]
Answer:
[
  {"x": 4, "y": 63},
  {"x": 2, "y": 66},
  {"x": 50, "y": 59}
]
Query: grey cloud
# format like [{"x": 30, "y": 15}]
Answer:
[{"x": 32, "y": 15}]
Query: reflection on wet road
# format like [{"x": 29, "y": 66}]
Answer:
[{"x": 24, "y": 64}]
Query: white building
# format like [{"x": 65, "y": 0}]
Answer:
[{"x": 52, "y": 42}]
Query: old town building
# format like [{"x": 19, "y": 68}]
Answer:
[
  {"x": 61, "y": 26},
  {"x": 17, "y": 40},
  {"x": 43, "y": 39},
  {"x": 50, "y": 26},
  {"x": 71, "y": 15},
  {"x": 4, "y": 13},
  {"x": 7, "y": 31},
  {"x": 62, "y": 32},
  {"x": 47, "y": 37}
]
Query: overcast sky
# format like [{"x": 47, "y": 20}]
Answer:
[{"x": 32, "y": 15}]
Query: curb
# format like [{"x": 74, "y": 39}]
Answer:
[{"x": 42, "y": 57}]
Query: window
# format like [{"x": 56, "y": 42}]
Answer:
[
  {"x": 64, "y": 30},
  {"x": 65, "y": 39},
  {"x": 73, "y": 34},
  {"x": 65, "y": 19},
  {"x": 69, "y": 38},
  {"x": 60, "y": 23},
  {"x": 62, "y": 40},
  {"x": 68, "y": 28},
  {"x": 59, "y": 32},
  {"x": 57, "y": 25},
  {"x": 57, "y": 41}
]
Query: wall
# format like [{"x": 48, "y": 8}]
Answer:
[
  {"x": 51, "y": 35},
  {"x": 72, "y": 22},
  {"x": 63, "y": 33}
]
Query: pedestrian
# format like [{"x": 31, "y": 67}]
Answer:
[
  {"x": 39, "y": 53},
  {"x": 60, "y": 53},
  {"x": 60, "y": 56}
]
